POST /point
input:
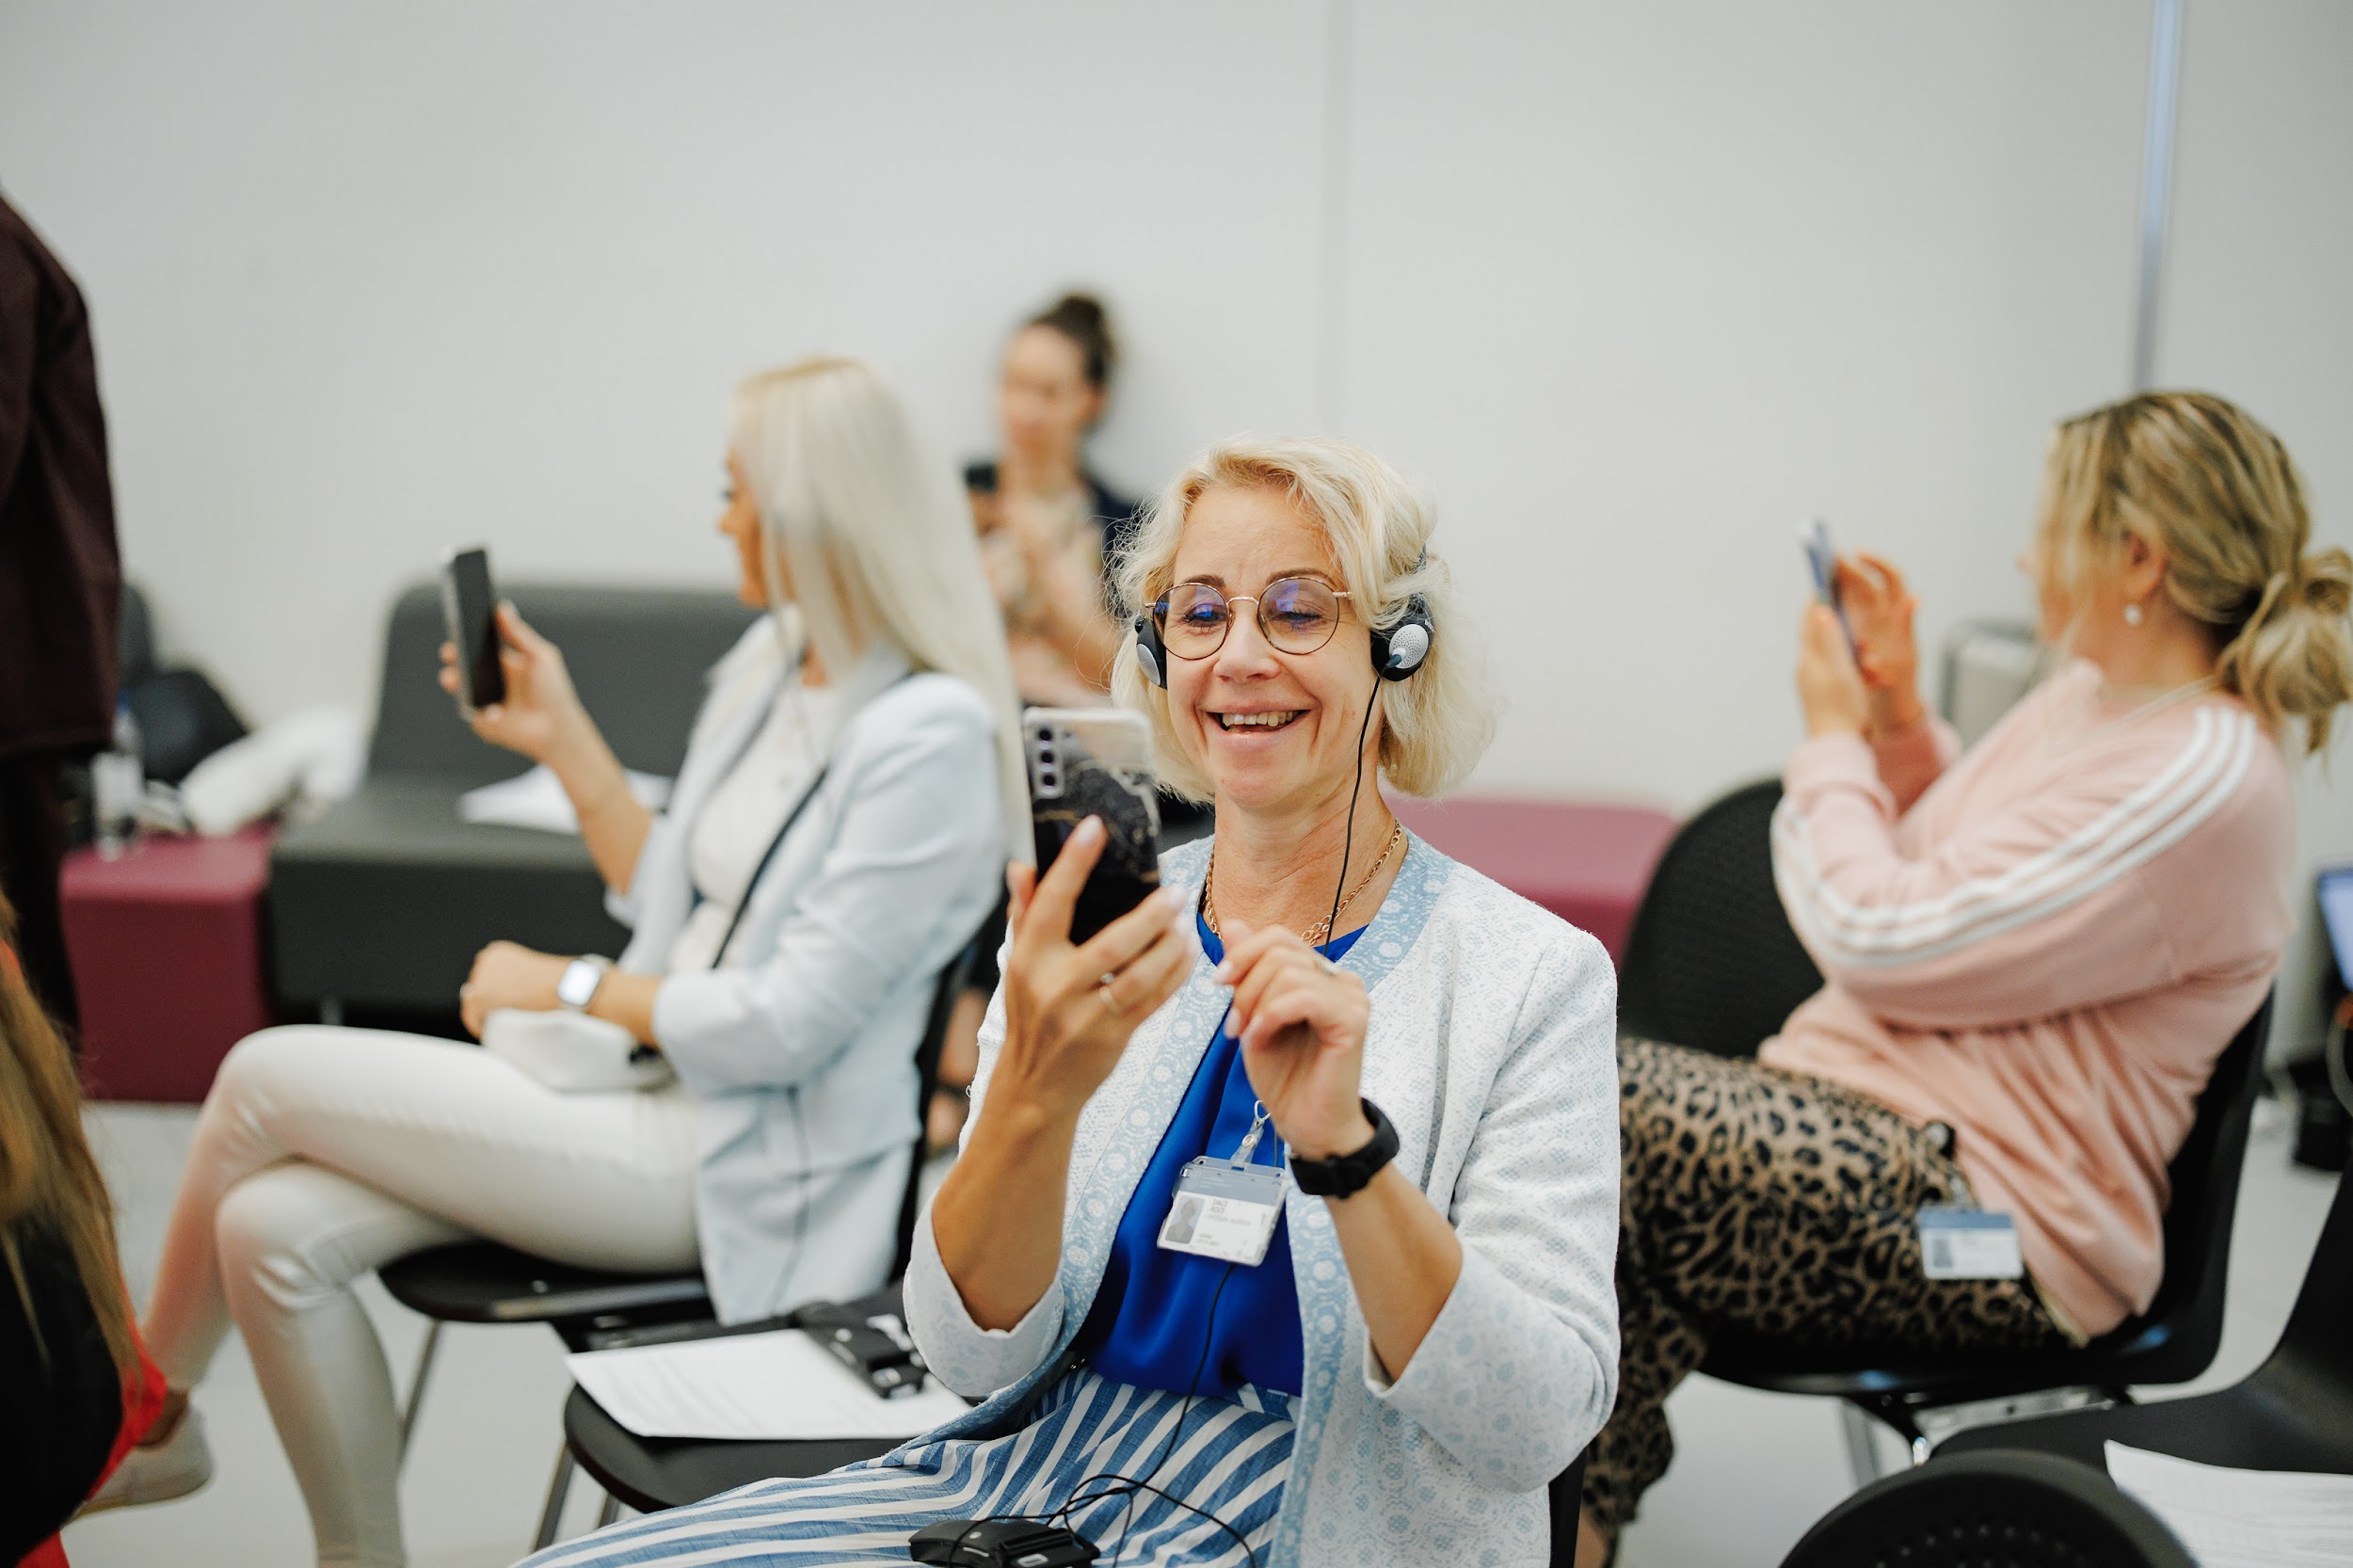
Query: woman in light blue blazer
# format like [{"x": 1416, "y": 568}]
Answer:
[
  {"x": 1397, "y": 1079},
  {"x": 834, "y": 838}
]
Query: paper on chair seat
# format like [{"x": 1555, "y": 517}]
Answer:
[
  {"x": 760, "y": 1388},
  {"x": 537, "y": 799},
  {"x": 2242, "y": 1518}
]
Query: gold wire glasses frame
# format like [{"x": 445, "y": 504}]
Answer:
[{"x": 1295, "y": 615}]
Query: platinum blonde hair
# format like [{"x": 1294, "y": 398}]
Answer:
[
  {"x": 876, "y": 542},
  {"x": 1436, "y": 723}
]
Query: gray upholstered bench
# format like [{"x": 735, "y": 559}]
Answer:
[{"x": 383, "y": 900}]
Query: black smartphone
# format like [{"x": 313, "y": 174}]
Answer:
[
  {"x": 469, "y": 608},
  {"x": 1096, "y": 762}
]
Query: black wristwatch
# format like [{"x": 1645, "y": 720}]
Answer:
[{"x": 1345, "y": 1174}]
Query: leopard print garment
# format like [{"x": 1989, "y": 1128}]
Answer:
[{"x": 1781, "y": 1206}]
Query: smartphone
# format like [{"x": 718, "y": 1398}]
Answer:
[
  {"x": 469, "y": 609},
  {"x": 1096, "y": 762},
  {"x": 1821, "y": 558}
]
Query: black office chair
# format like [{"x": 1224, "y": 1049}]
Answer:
[
  {"x": 650, "y": 1474},
  {"x": 1997, "y": 1510},
  {"x": 2173, "y": 1341},
  {"x": 2294, "y": 1413},
  {"x": 482, "y": 1282},
  {"x": 1711, "y": 962}
]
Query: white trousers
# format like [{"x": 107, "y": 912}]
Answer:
[{"x": 324, "y": 1153}]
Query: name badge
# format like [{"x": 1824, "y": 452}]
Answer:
[
  {"x": 1224, "y": 1210},
  {"x": 1969, "y": 1243}
]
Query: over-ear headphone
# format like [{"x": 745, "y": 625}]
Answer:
[{"x": 1397, "y": 651}]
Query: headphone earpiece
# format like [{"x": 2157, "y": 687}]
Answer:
[
  {"x": 1151, "y": 657},
  {"x": 1398, "y": 651}
]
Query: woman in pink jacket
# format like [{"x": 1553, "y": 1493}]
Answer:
[{"x": 2034, "y": 952}]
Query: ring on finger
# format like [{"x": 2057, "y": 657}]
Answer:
[{"x": 1103, "y": 994}]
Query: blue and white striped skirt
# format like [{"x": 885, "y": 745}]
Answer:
[{"x": 1230, "y": 1462}]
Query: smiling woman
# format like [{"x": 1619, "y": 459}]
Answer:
[{"x": 1207, "y": 1345}]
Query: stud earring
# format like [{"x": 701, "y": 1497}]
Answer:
[{"x": 2131, "y": 615}]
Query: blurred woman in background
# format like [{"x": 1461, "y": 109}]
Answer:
[
  {"x": 2034, "y": 953},
  {"x": 1052, "y": 532},
  {"x": 837, "y": 831},
  {"x": 1050, "y": 526}
]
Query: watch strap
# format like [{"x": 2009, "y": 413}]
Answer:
[{"x": 1344, "y": 1175}]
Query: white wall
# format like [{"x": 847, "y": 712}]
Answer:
[
  {"x": 1633, "y": 287},
  {"x": 2259, "y": 304}
]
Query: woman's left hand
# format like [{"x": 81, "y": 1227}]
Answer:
[
  {"x": 1301, "y": 1018},
  {"x": 1830, "y": 687},
  {"x": 507, "y": 975}
]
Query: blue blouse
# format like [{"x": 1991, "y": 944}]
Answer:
[{"x": 1151, "y": 1324}]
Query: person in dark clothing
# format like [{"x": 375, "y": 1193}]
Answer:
[
  {"x": 60, "y": 585},
  {"x": 76, "y": 1389}
]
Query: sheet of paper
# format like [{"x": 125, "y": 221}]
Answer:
[
  {"x": 761, "y": 1388},
  {"x": 536, "y": 800},
  {"x": 2242, "y": 1518}
]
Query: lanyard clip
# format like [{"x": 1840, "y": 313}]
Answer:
[{"x": 1258, "y": 1130}]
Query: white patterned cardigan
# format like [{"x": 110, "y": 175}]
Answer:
[{"x": 1492, "y": 1047}]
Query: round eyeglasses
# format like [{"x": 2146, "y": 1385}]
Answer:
[{"x": 1295, "y": 615}]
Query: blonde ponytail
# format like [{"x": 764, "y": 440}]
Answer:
[{"x": 2294, "y": 654}]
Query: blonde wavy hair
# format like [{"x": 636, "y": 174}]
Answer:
[
  {"x": 2207, "y": 484},
  {"x": 1436, "y": 723},
  {"x": 876, "y": 538}
]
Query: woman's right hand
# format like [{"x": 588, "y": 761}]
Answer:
[
  {"x": 542, "y": 711},
  {"x": 1069, "y": 1010},
  {"x": 1878, "y": 609}
]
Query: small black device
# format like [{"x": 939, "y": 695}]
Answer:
[
  {"x": 887, "y": 1361},
  {"x": 1000, "y": 1544},
  {"x": 1344, "y": 1175},
  {"x": 470, "y": 610},
  {"x": 1397, "y": 650},
  {"x": 1096, "y": 762}
]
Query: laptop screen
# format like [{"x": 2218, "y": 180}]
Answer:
[{"x": 2336, "y": 917}]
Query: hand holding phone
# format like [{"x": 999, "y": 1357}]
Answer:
[
  {"x": 1097, "y": 945},
  {"x": 1096, "y": 762},
  {"x": 537, "y": 713}
]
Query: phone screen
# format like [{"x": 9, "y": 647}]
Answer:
[
  {"x": 467, "y": 604},
  {"x": 1096, "y": 762},
  {"x": 1821, "y": 558}
]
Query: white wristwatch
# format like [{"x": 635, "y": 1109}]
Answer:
[{"x": 582, "y": 978}]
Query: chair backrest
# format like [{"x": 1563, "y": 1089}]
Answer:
[
  {"x": 944, "y": 993},
  {"x": 1712, "y": 963},
  {"x": 1996, "y": 1505},
  {"x": 2315, "y": 1350},
  {"x": 2177, "y": 1337},
  {"x": 637, "y": 656}
]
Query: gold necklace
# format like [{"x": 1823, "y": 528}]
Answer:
[{"x": 1320, "y": 932}]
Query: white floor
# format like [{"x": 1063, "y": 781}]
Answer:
[{"x": 1753, "y": 1470}]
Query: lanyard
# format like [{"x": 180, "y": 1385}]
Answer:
[{"x": 769, "y": 855}]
